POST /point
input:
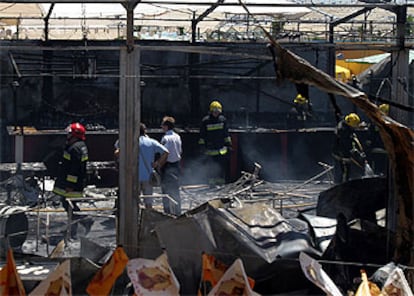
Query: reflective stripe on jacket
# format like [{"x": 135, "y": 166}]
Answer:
[
  {"x": 214, "y": 134},
  {"x": 63, "y": 192},
  {"x": 72, "y": 171},
  {"x": 221, "y": 151}
]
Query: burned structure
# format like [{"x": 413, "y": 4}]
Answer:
[{"x": 112, "y": 86}]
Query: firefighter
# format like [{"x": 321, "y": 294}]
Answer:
[
  {"x": 348, "y": 152},
  {"x": 215, "y": 145},
  {"x": 71, "y": 177},
  {"x": 300, "y": 112},
  {"x": 385, "y": 109}
]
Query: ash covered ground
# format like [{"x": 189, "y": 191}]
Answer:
[{"x": 48, "y": 226}]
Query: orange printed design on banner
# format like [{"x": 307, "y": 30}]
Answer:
[
  {"x": 10, "y": 282},
  {"x": 212, "y": 271},
  {"x": 104, "y": 279}
]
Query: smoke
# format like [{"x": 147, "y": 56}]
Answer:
[
  {"x": 195, "y": 171},
  {"x": 263, "y": 149},
  {"x": 285, "y": 156}
]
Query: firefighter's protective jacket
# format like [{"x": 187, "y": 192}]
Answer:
[
  {"x": 72, "y": 172},
  {"x": 347, "y": 146},
  {"x": 214, "y": 135}
]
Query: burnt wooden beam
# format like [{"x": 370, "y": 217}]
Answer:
[{"x": 129, "y": 119}]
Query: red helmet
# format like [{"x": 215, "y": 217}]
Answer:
[{"x": 77, "y": 130}]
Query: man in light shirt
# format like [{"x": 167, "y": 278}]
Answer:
[
  {"x": 171, "y": 170},
  {"x": 148, "y": 148}
]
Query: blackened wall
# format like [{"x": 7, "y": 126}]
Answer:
[
  {"x": 60, "y": 85},
  {"x": 56, "y": 86},
  {"x": 283, "y": 155}
]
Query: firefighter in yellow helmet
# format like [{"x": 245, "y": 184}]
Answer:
[
  {"x": 300, "y": 100},
  {"x": 353, "y": 120},
  {"x": 215, "y": 144},
  {"x": 384, "y": 108},
  {"x": 215, "y": 106},
  {"x": 350, "y": 158},
  {"x": 300, "y": 112}
]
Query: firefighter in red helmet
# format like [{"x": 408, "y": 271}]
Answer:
[
  {"x": 71, "y": 176},
  {"x": 77, "y": 130}
]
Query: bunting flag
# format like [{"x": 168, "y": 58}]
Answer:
[
  {"x": 57, "y": 283},
  {"x": 363, "y": 289},
  {"x": 314, "y": 272},
  {"x": 10, "y": 282},
  {"x": 367, "y": 288},
  {"x": 59, "y": 250},
  {"x": 153, "y": 277},
  {"x": 233, "y": 282},
  {"x": 101, "y": 284},
  {"x": 396, "y": 284},
  {"x": 212, "y": 271}
]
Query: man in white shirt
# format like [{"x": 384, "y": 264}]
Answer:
[{"x": 171, "y": 169}]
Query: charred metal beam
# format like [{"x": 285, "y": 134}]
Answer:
[
  {"x": 216, "y": 50},
  {"x": 351, "y": 16},
  {"x": 332, "y": 25},
  {"x": 130, "y": 6},
  {"x": 46, "y": 20},
  {"x": 15, "y": 66},
  {"x": 206, "y": 3},
  {"x": 195, "y": 21}
]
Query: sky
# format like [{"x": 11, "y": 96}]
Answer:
[
  {"x": 101, "y": 10},
  {"x": 93, "y": 10},
  {"x": 116, "y": 9}
]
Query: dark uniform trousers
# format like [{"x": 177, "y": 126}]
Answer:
[{"x": 170, "y": 185}]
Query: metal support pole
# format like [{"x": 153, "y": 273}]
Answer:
[
  {"x": 38, "y": 228},
  {"x": 399, "y": 60},
  {"x": 397, "y": 217},
  {"x": 19, "y": 149},
  {"x": 70, "y": 220},
  {"x": 193, "y": 29},
  {"x": 46, "y": 20}
]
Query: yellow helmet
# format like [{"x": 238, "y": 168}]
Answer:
[
  {"x": 384, "y": 108},
  {"x": 215, "y": 105},
  {"x": 300, "y": 99},
  {"x": 352, "y": 119}
]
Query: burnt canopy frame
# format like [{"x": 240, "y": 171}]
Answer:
[
  {"x": 208, "y": 3},
  {"x": 130, "y": 5}
]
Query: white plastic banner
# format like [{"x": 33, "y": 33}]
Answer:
[
  {"x": 58, "y": 282},
  {"x": 153, "y": 277},
  {"x": 314, "y": 272},
  {"x": 396, "y": 284},
  {"x": 233, "y": 282}
]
